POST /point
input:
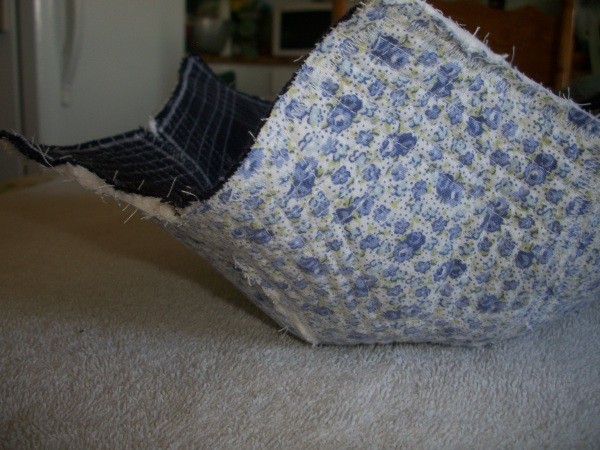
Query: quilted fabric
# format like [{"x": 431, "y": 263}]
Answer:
[
  {"x": 409, "y": 186},
  {"x": 192, "y": 146}
]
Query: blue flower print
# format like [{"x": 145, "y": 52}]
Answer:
[
  {"x": 303, "y": 177},
  {"x": 370, "y": 242},
  {"x": 422, "y": 292},
  {"x": 509, "y": 129},
  {"x": 414, "y": 310},
  {"x": 466, "y": 159},
  {"x": 376, "y": 13},
  {"x": 442, "y": 271},
  {"x": 373, "y": 305},
  {"x": 398, "y": 144},
  {"x": 579, "y": 117},
  {"x": 296, "y": 243},
  {"x": 364, "y": 138},
  {"x": 534, "y": 174},
  {"x": 556, "y": 227},
  {"x": 455, "y": 112},
  {"x": 392, "y": 314},
  {"x": 351, "y": 304},
  {"x": 406, "y": 249},
  {"x": 510, "y": 285},
  {"x": 381, "y": 213},
  {"x": 294, "y": 213},
  {"x": 500, "y": 206},
  {"x": 586, "y": 239},
  {"x": 258, "y": 235},
  {"x": 427, "y": 58},
  {"x": 542, "y": 254},
  {"x": 322, "y": 311},
  {"x": 422, "y": 266},
  {"x": 453, "y": 268},
  {"x": 500, "y": 157},
  {"x": 433, "y": 112},
  {"x": 501, "y": 86},
  {"x": 492, "y": 222},
  {"x": 334, "y": 245},
  {"x": 329, "y": 87},
  {"x": 304, "y": 73},
  {"x": 406, "y": 310},
  {"x": 280, "y": 157},
  {"x": 491, "y": 117},
  {"x": 485, "y": 244},
  {"x": 448, "y": 190},
  {"x": 415, "y": 240},
  {"x": 340, "y": 176},
  {"x": 578, "y": 206},
  {"x": 454, "y": 232},
  {"x": 489, "y": 303},
  {"x": 295, "y": 110},
  {"x": 572, "y": 152},
  {"x": 371, "y": 173},
  {"x": 506, "y": 246},
  {"x": 526, "y": 222},
  {"x": 474, "y": 126},
  {"x": 344, "y": 215},
  {"x": 419, "y": 189},
  {"x": 521, "y": 194},
  {"x": 436, "y": 153},
  {"x": 252, "y": 163},
  {"x": 476, "y": 84},
  {"x": 592, "y": 164},
  {"x": 398, "y": 97},
  {"x": 390, "y": 271},
  {"x": 546, "y": 162},
  {"x": 300, "y": 283},
  {"x": 357, "y": 156},
  {"x": 530, "y": 145},
  {"x": 225, "y": 196},
  {"x": 401, "y": 226},
  {"x": 364, "y": 205},
  {"x": 445, "y": 77},
  {"x": 376, "y": 88},
  {"x": 238, "y": 233},
  {"x": 449, "y": 72},
  {"x": 403, "y": 252},
  {"x": 482, "y": 277},
  {"x": 439, "y": 225},
  {"x": 319, "y": 205},
  {"x": 549, "y": 112},
  {"x": 348, "y": 48},
  {"x": 363, "y": 284},
  {"x": 524, "y": 259},
  {"x": 554, "y": 195},
  {"x": 387, "y": 49},
  {"x": 311, "y": 266},
  {"x": 253, "y": 202},
  {"x": 342, "y": 115},
  {"x": 445, "y": 291}
]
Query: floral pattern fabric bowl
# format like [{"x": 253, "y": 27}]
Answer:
[{"x": 409, "y": 186}]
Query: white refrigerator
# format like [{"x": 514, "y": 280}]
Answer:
[{"x": 76, "y": 70}]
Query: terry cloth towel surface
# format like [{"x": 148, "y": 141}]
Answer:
[{"x": 409, "y": 186}]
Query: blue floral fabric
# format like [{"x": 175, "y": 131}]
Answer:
[{"x": 409, "y": 186}]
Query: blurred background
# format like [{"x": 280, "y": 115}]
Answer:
[{"x": 76, "y": 70}]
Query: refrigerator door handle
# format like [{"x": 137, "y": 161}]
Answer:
[{"x": 72, "y": 47}]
